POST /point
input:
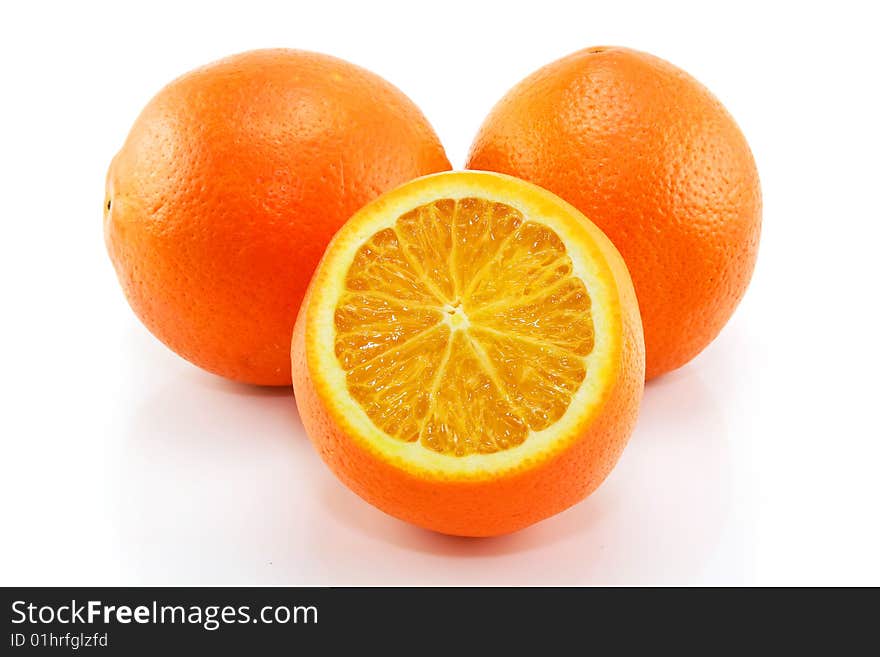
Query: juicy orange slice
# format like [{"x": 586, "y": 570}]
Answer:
[
  {"x": 472, "y": 329},
  {"x": 464, "y": 327}
]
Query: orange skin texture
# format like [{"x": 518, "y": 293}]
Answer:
[
  {"x": 487, "y": 505},
  {"x": 230, "y": 185},
  {"x": 653, "y": 158}
]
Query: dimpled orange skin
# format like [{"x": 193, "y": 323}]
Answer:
[
  {"x": 486, "y": 505},
  {"x": 229, "y": 187},
  {"x": 653, "y": 158}
]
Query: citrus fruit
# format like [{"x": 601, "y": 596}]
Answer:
[
  {"x": 651, "y": 156},
  {"x": 469, "y": 356},
  {"x": 231, "y": 183}
]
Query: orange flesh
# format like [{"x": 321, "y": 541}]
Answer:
[{"x": 463, "y": 327}]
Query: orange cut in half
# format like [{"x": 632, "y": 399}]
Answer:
[{"x": 469, "y": 357}]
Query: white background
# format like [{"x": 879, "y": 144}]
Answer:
[{"x": 758, "y": 463}]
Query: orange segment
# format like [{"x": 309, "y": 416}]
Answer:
[
  {"x": 382, "y": 266},
  {"x": 539, "y": 379},
  {"x": 470, "y": 413},
  {"x": 558, "y": 315},
  {"x": 532, "y": 258},
  {"x": 390, "y": 387},
  {"x": 426, "y": 233},
  {"x": 469, "y": 357},
  {"x": 370, "y": 323},
  {"x": 480, "y": 229}
]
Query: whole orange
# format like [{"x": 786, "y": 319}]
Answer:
[
  {"x": 653, "y": 158},
  {"x": 229, "y": 187}
]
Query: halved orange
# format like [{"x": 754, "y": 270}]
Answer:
[{"x": 469, "y": 356}]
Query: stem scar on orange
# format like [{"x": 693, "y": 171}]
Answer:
[
  {"x": 652, "y": 157},
  {"x": 469, "y": 357},
  {"x": 229, "y": 187}
]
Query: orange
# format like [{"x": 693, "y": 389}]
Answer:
[
  {"x": 469, "y": 357},
  {"x": 648, "y": 154},
  {"x": 231, "y": 183}
]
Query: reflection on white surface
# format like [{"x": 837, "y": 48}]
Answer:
[{"x": 217, "y": 483}]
